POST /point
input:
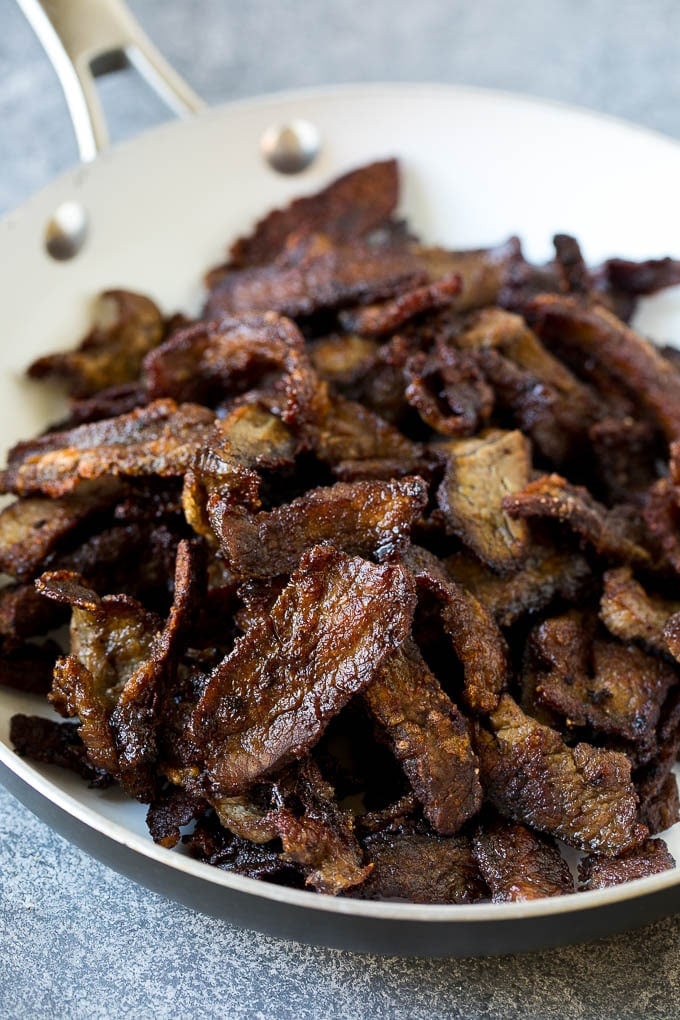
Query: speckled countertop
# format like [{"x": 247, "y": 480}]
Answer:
[{"x": 78, "y": 940}]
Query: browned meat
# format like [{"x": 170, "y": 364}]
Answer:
[
  {"x": 342, "y": 359},
  {"x": 546, "y": 574},
  {"x": 548, "y": 402},
  {"x": 174, "y": 809},
  {"x": 352, "y": 432},
  {"x": 111, "y": 637},
  {"x": 137, "y": 712},
  {"x": 421, "y": 869},
  {"x": 275, "y": 661},
  {"x": 313, "y": 273},
  {"x": 614, "y": 688},
  {"x": 485, "y": 272},
  {"x": 54, "y": 743},
  {"x": 256, "y": 438},
  {"x": 248, "y": 440},
  {"x": 383, "y": 469},
  {"x": 495, "y": 329},
  {"x": 383, "y": 319},
  {"x": 133, "y": 559},
  {"x": 395, "y": 816},
  {"x": 654, "y": 779},
  {"x": 215, "y": 845},
  {"x": 379, "y": 385},
  {"x": 651, "y": 858},
  {"x": 630, "y": 614},
  {"x": 321, "y": 840},
  {"x": 480, "y": 473},
  {"x": 584, "y": 332},
  {"x": 30, "y": 529},
  {"x": 641, "y": 278},
  {"x": 661, "y": 514},
  {"x": 671, "y": 636},
  {"x": 531, "y": 404},
  {"x": 257, "y": 598},
  {"x": 126, "y": 327},
  {"x": 159, "y": 439},
  {"x": 25, "y": 613},
  {"x": 300, "y": 808},
  {"x": 518, "y": 864},
  {"x": 660, "y": 810},
  {"x": 351, "y": 207},
  {"x": 28, "y": 667},
  {"x": 429, "y": 737},
  {"x": 213, "y": 361},
  {"x": 107, "y": 403},
  {"x": 582, "y": 795},
  {"x": 271, "y": 699},
  {"x": 475, "y": 637},
  {"x": 570, "y": 263},
  {"x": 449, "y": 391},
  {"x": 362, "y": 518},
  {"x": 626, "y": 453},
  {"x": 551, "y": 497}
]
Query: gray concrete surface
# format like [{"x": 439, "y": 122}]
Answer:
[{"x": 79, "y": 941}]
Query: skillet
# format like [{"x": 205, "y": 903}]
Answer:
[{"x": 152, "y": 214}]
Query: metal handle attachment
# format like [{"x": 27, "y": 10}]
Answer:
[{"x": 85, "y": 39}]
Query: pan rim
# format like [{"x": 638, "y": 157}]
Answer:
[
  {"x": 338, "y": 92},
  {"x": 393, "y": 911}
]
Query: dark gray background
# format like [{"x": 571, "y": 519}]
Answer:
[{"x": 77, "y": 940}]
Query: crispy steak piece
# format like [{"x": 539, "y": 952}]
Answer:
[
  {"x": 324, "y": 640},
  {"x": 27, "y": 666},
  {"x": 370, "y": 519},
  {"x": 352, "y": 432},
  {"x": 613, "y": 688},
  {"x": 549, "y": 403},
  {"x": 351, "y": 207},
  {"x": 551, "y": 497},
  {"x": 126, "y": 326},
  {"x": 642, "y": 278},
  {"x": 589, "y": 332},
  {"x": 630, "y": 614},
  {"x": 661, "y": 515},
  {"x": 582, "y": 795},
  {"x": 53, "y": 743},
  {"x": 161, "y": 438},
  {"x": 314, "y": 273},
  {"x": 321, "y": 840},
  {"x": 212, "y": 843},
  {"x": 651, "y": 858},
  {"x": 480, "y": 473},
  {"x": 449, "y": 391},
  {"x": 30, "y": 529},
  {"x": 111, "y": 638},
  {"x": 519, "y": 865},
  {"x": 660, "y": 810},
  {"x": 475, "y": 638},
  {"x": 421, "y": 868},
  {"x": 382, "y": 319},
  {"x": 213, "y": 361},
  {"x": 546, "y": 574},
  {"x": 25, "y": 613},
  {"x": 429, "y": 737}
]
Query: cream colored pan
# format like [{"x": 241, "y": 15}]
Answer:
[{"x": 153, "y": 213}]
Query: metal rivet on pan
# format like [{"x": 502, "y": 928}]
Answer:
[
  {"x": 290, "y": 148},
  {"x": 67, "y": 231}
]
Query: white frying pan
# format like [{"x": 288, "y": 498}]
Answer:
[{"x": 152, "y": 214}]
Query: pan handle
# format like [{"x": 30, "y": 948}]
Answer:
[{"x": 85, "y": 39}]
